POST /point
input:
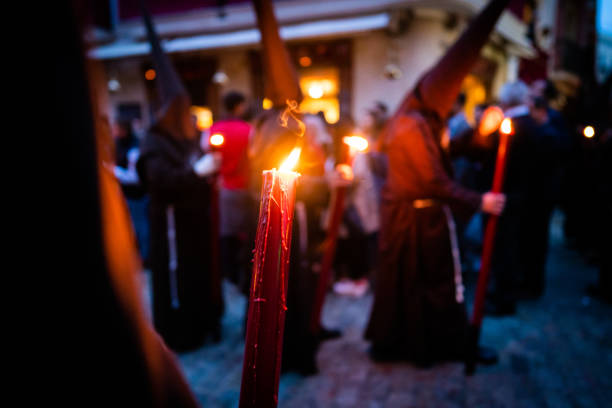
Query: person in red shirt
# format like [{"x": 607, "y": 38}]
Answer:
[{"x": 236, "y": 206}]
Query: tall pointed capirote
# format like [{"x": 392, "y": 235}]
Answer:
[
  {"x": 169, "y": 84},
  {"x": 281, "y": 77},
  {"x": 439, "y": 87}
]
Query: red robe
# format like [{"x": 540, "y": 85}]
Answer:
[{"x": 418, "y": 312}]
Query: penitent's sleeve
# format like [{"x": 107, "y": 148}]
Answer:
[{"x": 425, "y": 156}]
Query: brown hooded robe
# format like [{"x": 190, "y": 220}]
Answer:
[
  {"x": 186, "y": 296},
  {"x": 418, "y": 312}
]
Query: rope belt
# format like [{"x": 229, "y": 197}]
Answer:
[
  {"x": 172, "y": 257},
  {"x": 425, "y": 203}
]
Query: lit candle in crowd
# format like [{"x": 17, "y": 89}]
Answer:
[
  {"x": 267, "y": 300},
  {"x": 216, "y": 140},
  {"x": 506, "y": 129},
  {"x": 588, "y": 132},
  {"x": 355, "y": 144},
  {"x": 215, "y": 144}
]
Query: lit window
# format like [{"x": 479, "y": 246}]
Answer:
[
  {"x": 475, "y": 94},
  {"x": 320, "y": 89},
  {"x": 204, "y": 117}
]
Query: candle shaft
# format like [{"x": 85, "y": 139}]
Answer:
[
  {"x": 267, "y": 300},
  {"x": 487, "y": 256}
]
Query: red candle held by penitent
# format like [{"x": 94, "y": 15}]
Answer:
[
  {"x": 267, "y": 300},
  {"x": 215, "y": 142},
  {"x": 505, "y": 131},
  {"x": 355, "y": 144}
]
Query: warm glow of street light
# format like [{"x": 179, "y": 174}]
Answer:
[
  {"x": 266, "y": 104},
  {"x": 315, "y": 91},
  {"x": 588, "y": 132},
  {"x": 150, "y": 74}
]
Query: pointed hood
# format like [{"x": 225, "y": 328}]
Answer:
[
  {"x": 174, "y": 98},
  {"x": 439, "y": 87},
  {"x": 281, "y": 78}
]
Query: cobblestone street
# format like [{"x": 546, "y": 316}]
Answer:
[{"x": 555, "y": 352}]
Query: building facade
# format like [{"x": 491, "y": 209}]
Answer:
[{"x": 349, "y": 53}]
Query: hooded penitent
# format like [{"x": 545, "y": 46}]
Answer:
[
  {"x": 272, "y": 142},
  {"x": 105, "y": 314},
  {"x": 281, "y": 78},
  {"x": 174, "y": 99},
  {"x": 439, "y": 87},
  {"x": 418, "y": 311},
  {"x": 186, "y": 288}
]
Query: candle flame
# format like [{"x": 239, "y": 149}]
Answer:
[
  {"x": 506, "y": 126},
  {"x": 588, "y": 132},
  {"x": 292, "y": 160},
  {"x": 217, "y": 139},
  {"x": 357, "y": 143}
]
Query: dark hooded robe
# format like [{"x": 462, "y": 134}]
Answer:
[
  {"x": 108, "y": 351},
  {"x": 187, "y": 299},
  {"x": 418, "y": 312}
]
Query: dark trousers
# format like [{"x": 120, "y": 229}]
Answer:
[
  {"x": 505, "y": 263},
  {"x": 534, "y": 248}
]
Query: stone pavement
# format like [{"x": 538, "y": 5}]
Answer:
[{"x": 555, "y": 352}]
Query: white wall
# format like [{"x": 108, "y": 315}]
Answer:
[
  {"x": 236, "y": 65},
  {"x": 418, "y": 48}
]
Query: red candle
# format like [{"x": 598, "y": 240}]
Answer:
[
  {"x": 215, "y": 141},
  {"x": 355, "y": 144},
  {"x": 506, "y": 130},
  {"x": 267, "y": 300}
]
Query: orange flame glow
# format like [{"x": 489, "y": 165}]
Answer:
[
  {"x": 588, "y": 132},
  {"x": 356, "y": 143},
  {"x": 292, "y": 160},
  {"x": 506, "y": 126},
  {"x": 217, "y": 139},
  {"x": 492, "y": 118}
]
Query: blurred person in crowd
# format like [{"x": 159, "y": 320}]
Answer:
[
  {"x": 236, "y": 206},
  {"x": 270, "y": 145},
  {"x": 351, "y": 263},
  {"x": 419, "y": 313},
  {"x": 508, "y": 260},
  {"x": 458, "y": 121},
  {"x": 127, "y": 150},
  {"x": 465, "y": 171},
  {"x": 546, "y": 150},
  {"x": 187, "y": 298},
  {"x": 372, "y": 127},
  {"x": 599, "y": 175}
]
